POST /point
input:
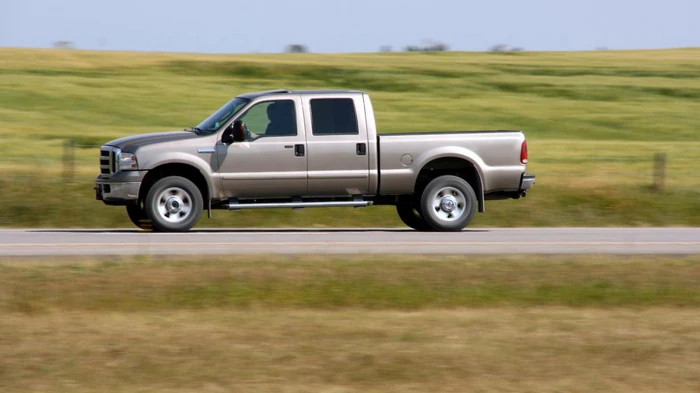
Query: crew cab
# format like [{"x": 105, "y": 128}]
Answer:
[{"x": 307, "y": 149}]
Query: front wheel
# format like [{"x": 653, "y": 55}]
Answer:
[
  {"x": 448, "y": 204},
  {"x": 410, "y": 214},
  {"x": 174, "y": 204},
  {"x": 137, "y": 215}
]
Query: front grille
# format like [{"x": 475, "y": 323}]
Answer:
[{"x": 108, "y": 160}]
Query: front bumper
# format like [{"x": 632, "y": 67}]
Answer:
[{"x": 120, "y": 189}]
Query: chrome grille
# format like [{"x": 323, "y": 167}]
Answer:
[{"x": 108, "y": 160}]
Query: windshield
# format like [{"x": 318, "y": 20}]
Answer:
[{"x": 224, "y": 114}]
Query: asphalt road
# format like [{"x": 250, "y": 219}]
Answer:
[{"x": 49, "y": 242}]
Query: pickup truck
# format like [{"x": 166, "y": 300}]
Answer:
[{"x": 304, "y": 149}]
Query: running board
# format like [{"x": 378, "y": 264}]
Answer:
[{"x": 297, "y": 205}]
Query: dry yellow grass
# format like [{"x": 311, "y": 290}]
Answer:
[
  {"x": 492, "y": 350},
  {"x": 354, "y": 324}
]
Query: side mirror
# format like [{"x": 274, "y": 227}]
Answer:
[
  {"x": 236, "y": 132},
  {"x": 227, "y": 136}
]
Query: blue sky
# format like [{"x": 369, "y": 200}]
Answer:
[{"x": 220, "y": 26}]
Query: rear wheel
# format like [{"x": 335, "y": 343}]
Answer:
[
  {"x": 448, "y": 204},
  {"x": 409, "y": 213},
  {"x": 174, "y": 204},
  {"x": 137, "y": 215}
]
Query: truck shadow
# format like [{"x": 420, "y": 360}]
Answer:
[{"x": 252, "y": 230}]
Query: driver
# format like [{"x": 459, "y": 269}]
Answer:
[{"x": 281, "y": 116}]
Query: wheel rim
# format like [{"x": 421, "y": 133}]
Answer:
[
  {"x": 449, "y": 204},
  {"x": 174, "y": 205}
]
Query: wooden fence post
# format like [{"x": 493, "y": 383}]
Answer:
[
  {"x": 660, "y": 171},
  {"x": 69, "y": 161}
]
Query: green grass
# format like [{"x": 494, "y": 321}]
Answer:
[
  {"x": 593, "y": 121},
  {"x": 386, "y": 283}
]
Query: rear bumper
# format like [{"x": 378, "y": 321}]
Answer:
[{"x": 526, "y": 183}]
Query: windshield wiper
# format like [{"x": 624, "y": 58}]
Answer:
[{"x": 193, "y": 129}]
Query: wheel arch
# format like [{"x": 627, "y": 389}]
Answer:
[
  {"x": 452, "y": 164},
  {"x": 186, "y": 170}
]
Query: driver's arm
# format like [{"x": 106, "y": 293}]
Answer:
[
  {"x": 249, "y": 136},
  {"x": 252, "y": 136}
]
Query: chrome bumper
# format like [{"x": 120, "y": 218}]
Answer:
[
  {"x": 526, "y": 182},
  {"x": 114, "y": 192},
  {"x": 120, "y": 189}
]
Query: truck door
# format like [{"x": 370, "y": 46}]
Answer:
[
  {"x": 273, "y": 162},
  {"x": 336, "y": 136}
]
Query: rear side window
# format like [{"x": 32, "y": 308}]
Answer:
[{"x": 333, "y": 116}]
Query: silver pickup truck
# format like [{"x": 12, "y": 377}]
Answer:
[{"x": 302, "y": 149}]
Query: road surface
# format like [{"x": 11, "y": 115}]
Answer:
[{"x": 48, "y": 242}]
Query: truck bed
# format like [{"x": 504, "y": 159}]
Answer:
[{"x": 494, "y": 153}]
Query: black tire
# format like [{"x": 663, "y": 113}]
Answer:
[
  {"x": 174, "y": 204},
  {"x": 137, "y": 215},
  {"x": 409, "y": 213},
  {"x": 447, "y": 192}
]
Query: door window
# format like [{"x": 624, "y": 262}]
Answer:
[
  {"x": 333, "y": 116},
  {"x": 272, "y": 118}
]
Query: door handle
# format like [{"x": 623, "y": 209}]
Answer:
[
  {"x": 361, "y": 149},
  {"x": 299, "y": 150},
  {"x": 288, "y": 146}
]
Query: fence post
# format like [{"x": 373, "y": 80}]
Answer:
[
  {"x": 660, "y": 171},
  {"x": 69, "y": 161}
]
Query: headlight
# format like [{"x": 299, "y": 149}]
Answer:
[{"x": 127, "y": 161}]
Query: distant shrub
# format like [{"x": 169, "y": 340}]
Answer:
[
  {"x": 297, "y": 48},
  {"x": 430, "y": 47},
  {"x": 64, "y": 44},
  {"x": 503, "y": 48}
]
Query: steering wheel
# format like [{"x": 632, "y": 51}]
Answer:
[{"x": 248, "y": 136}]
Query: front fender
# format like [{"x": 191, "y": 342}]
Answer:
[{"x": 196, "y": 161}]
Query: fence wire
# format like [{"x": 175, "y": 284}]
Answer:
[{"x": 657, "y": 169}]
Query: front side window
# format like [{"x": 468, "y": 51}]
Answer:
[
  {"x": 333, "y": 116},
  {"x": 271, "y": 118}
]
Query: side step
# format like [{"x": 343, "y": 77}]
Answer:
[{"x": 297, "y": 205}]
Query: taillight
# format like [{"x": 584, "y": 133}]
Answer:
[{"x": 523, "y": 153}]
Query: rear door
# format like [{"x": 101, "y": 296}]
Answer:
[{"x": 338, "y": 156}]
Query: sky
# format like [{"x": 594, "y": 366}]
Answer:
[{"x": 327, "y": 26}]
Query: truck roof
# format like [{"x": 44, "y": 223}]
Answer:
[{"x": 257, "y": 94}]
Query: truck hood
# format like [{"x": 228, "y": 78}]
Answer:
[{"x": 131, "y": 143}]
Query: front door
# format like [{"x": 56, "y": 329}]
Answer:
[{"x": 272, "y": 162}]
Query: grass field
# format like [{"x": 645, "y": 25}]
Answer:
[
  {"x": 303, "y": 324},
  {"x": 593, "y": 120}
]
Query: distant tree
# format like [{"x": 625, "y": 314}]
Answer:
[
  {"x": 385, "y": 48},
  {"x": 297, "y": 48},
  {"x": 503, "y": 48},
  {"x": 439, "y": 47},
  {"x": 64, "y": 44},
  {"x": 601, "y": 48},
  {"x": 429, "y": 47}
]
